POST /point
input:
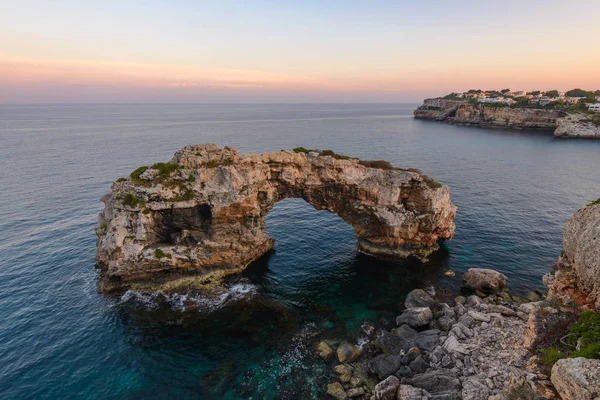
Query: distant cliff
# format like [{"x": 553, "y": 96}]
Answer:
[{"x": 489, "y": 116}]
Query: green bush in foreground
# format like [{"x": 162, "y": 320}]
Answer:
[{"x": 587, "y": 330}]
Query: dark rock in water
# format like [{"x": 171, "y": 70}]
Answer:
[
  {"x": 419, "y": 365},
  {"x": 344, "y": 372},
  {"x": 428, "y": 340},
  {"x": 485, "y": 280},
  {"x": 347, "y": 353},
  {"x": 418, "y": 298},
  {"x": 385, "y": 365},
  {"x": 324, "y": 351},
  {"x": 406, "y": 332},
  {"x": 392, "y": 344},
  {"x": 386, "y": 390},
  {"x": 436, "y": 382},
  {"x": 415, "y": 317},
  {"x": 336, "y": 390}
]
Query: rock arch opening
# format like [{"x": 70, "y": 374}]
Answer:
[{"x": 203, "y": 213}]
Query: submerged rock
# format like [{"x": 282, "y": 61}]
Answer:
[
  {"x": 324, "y": 351},
  {"x": 336, "y": 390},
  {"x": 347, "y": 353},
  {"x": 200, "y": 216}
]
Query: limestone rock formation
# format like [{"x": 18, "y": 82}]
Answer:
[
  {"x": 577, "y": 378},
  {"x": 464, "y": 113},
  {"x": 461, "y": 112},
  {"x": 201, "y": 216},
  {"x": 576, "y": 277},
  {"x": 577, "y": 126}
]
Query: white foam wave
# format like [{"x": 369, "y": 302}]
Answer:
[{"x": 201, "y": 301}]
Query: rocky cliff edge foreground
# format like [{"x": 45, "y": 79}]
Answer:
[
  {"x": 200, "y": 216},
  {"x": 576, "y": 276}
]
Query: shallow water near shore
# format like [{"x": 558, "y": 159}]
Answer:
[{"x": 60, "y": 339}]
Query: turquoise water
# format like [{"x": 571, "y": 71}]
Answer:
[{"x": 60, "y": 339}]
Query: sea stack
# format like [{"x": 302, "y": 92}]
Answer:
[{"x": 200, "y": 217}]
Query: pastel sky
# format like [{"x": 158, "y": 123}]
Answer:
[{"x": 291, "y": 51}]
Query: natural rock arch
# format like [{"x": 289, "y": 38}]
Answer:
[{"x": 201, "y": 216}]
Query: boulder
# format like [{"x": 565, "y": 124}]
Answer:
[
  {"x": 577, "y": 378},
  {"x": 385, "y": 365},
  {"x": 411, "y": 355},
  {"x": 386, "y": 390},
  {"x": 418, "y": 365},
  {"x": 406, "y": 332},
  {"x": 418, "y": 298},
  {"x": 324, "y": 351},
  {"x": 392, "y": 344},
  {"x": 436, "y": 382},
  {"x": 344, "y": 372},
  {"x": 475, "y": 389},
  {"x": 336, "y": 390},
  {"x": 486, "y": 280},
  {"x": 355, "y": 392},
  {"x": 479, "y": 316},
  {"x": 415, "y": 317},
  {"x": 407, "y": 392},
  {"x": 428, "y": 340},
  {"x": 347, "y": 353}
]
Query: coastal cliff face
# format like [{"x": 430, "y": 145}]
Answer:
[
  {"x": 463, "y": 113},
  {"x": 201, "y": 216},
  {"x": 577, "y": 126},
  {"x": 514, "y": 118},
  {"x": 576, "y": 277}
]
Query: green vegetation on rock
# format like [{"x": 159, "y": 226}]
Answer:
[
  {"x": 166, "y": 169},
  {"x": 595, "y": 202},
  {"x": 158, "y": 253},
  {"x": 139, "y": 171},
  {"x": 321, "y": 153},
  {"x": 586, "y": 332},
  {"x": 381, "y": 164},
  {"x": 132, "y": 200}
]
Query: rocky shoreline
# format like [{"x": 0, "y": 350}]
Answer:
[
  {"x": 461, "y": 112},
  {"x": 485, "y": 346}
]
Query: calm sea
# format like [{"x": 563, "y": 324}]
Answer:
[{"x": 60, "y": 339}]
